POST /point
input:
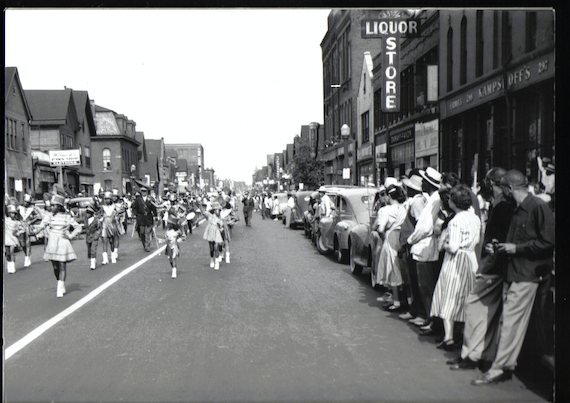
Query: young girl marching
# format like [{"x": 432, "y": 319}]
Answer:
[
  {"x": 13, "y": 228},
  {"x": 173, "y": 236},
  {"x": 213, "y": 233},
  {"x": 59, "y": 249},
  {"x": 109, "y": 228},
  {"x": 230, "y": 217},
  {"x": 92, "y": 234}
]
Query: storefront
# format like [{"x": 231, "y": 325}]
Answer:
[
  {"x": 427, "y": 144},
  {"x": 475, "y": 122},
  {"x": 401, "y": 151},
  {"x": 365, "y": 161}
]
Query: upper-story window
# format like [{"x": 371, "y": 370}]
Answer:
[
  {"x": 463, "y": 52},
  {"x": 479, "y": 44},
  {"x": 106, "y": 159},
  {"x": 449, "y": 59},
  {"x": 365, "y": 125},
  {"x": 87, "y": 157}
]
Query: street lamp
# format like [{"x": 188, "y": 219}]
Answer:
[{"x": 345, "y": 134}]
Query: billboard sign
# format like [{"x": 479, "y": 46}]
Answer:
[{"x": 64, "y": 158}]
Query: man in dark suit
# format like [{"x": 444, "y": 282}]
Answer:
[
  {"x": 248, "y": 205},
  {"x": 145, "y": 211}
]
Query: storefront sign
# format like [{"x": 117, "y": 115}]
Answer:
[
  {"x": 364, "y": 152},
  {"x": 278, "y": 165},
  {"x": 536, "y": 70},
  {"x": 391, "y": 74},
  {"x": 427, "y": 135},
  {"x": 408, "y": 28},
  {"x": 381, "y": 153},
  {"x": 402, "y": 136},
  {"x": 64, "y": 157}
]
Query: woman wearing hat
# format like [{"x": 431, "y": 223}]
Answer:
[
  {"x": 109, "y": 228},
  {"x": 13, "y": 228},
  {"x": 59, "y": 249},
  {"x": 230, "y": 218},
  {"x": 173, "y": 237},
  {"x": 213, "y": 233}
]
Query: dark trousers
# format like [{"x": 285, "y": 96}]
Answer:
[
  {"x": 92, "y": 249},
  {"x": 144, "y": 234},
  {"x": 427, "y": 272},
  {"x": 417, "y": 308},
  {"x": 247, "y": 216}
]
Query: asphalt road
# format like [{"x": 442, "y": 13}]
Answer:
[{"x": 279, "y": 323}]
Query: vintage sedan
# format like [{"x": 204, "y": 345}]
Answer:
[
  {"x": 295, "y": 216},
  {"x": 352, "y": 206},
  {"x": 282, "y": 202},
  {"x": 364, "y": 245}
]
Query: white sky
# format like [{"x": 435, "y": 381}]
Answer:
[{"x": 239, "y": 81}]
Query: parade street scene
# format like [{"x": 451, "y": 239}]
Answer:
[{"x": 281, "y": 205}]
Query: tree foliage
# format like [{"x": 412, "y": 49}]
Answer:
[{"x": 306, "y": 169}]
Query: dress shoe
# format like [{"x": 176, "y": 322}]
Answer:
[
  {"x": 405, "y": 316},
  {"x": 446, "y": 345},
  {"x": 387, "y": 297},
  {"x": 394, "y": 308},
  {"x": 464, "y": 364},
  {"x": 426, "y": 327},
  {"x": 427, "y": 332},
  {"x": 418, "y": 321},
  {"x": 386, "y": 306},
  {"x": 487, "y": 379},
  {"x": 454, "y": 361}
]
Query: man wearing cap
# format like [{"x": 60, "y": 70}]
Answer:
[
  {"x": 423, "y": 243},
  {"x": 30, "y": 215},
  {"x": 529, "y": 248},
  {"x": 145, "y": 211}
]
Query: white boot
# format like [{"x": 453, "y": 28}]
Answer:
[
  {"x": 59, "y": 291},
  {"x": 174, "y": 272},
  {"x": 217, "y": 265},
  {"x": 63, "y": 287},
  {"x": 27, "y": 261},
  {"x": 11, "y": 267},
  {"x": 227, "y": 257},
  {"x": 93, "y": 263},
  {"x": 105, "y": 258},
  {"x": 212, "y": 262},
  {"x": 113, "y": 257}
]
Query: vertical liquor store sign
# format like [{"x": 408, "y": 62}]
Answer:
[{"x": 389, "y": 31}]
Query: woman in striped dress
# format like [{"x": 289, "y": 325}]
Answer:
[
  {"x": 457, "y": 276},
  {"x": 58, "y": 249}
]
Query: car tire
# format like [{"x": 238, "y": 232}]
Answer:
[
  {"x": 340, "y": 255},
  {"x": 355, "y": 268},
  {"x": 323, "y": 250}
]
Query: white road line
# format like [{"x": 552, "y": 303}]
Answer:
[{"x": 37, "y": 332}]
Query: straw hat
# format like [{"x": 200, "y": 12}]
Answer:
[
  {"x": 414, "y": 182},
  {"x": 216, "y": 205},
  {"x": 107, "y": 195},
  {"x": 432, "y": 176}
]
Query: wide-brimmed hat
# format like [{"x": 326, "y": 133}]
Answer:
[
  {"x": 550, "y": 168},
  {"x": 432, "y": 176},
  {"x": 216, "y": 206},
  {"x": 414, "y": 182},
  {"x": 12, "y": 208},
  {"x": 107, "y": 195},
  {"x": 57, "y": 199}
]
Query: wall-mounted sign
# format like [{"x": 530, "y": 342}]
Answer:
[
  {"x": 402, "y": 136},
  {"x": 64, "y": 158},
  {"x": 381, "y": 28}
]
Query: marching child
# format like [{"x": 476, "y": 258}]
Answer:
[
  {"x": 173, "y": 236},
  {"x": 92, "y": 234},
  {"x": 213, "y": 233},
  {"x": 13, "y": 228}
]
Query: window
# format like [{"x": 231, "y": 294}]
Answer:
[
  {"x": 449, "y": 59},
  {"x": 106, "y": 159},
  {"x": 530, "y": 31},
  {"x": 463, "y": 52},
  {"x": 495, "y": 39},
  {"x": 479, "y": 44},
  {"x": 23, "y": 139},
  {"x": 364, "y": 124},
  {"x": 87, "y": 157},
  {"x": 11, "y": 136}
]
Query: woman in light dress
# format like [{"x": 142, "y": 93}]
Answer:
[
  {"x": 457, "y": 276},
  {"x": 388, "y": 224},
  {"x": 58, "y": 249},
  {"x": 109, "y": 228}
]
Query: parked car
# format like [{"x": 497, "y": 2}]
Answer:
[
  {"x": 311, "y": 219},
  {"x": 352, "y": 206},
  {"x": 364, "y": 244},
  {"x": 295, "y": 217}
]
